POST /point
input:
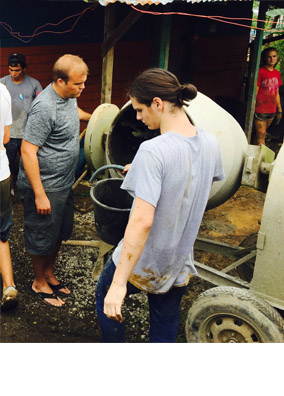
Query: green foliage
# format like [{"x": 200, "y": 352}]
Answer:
[
  {"x": 272, "y": 13},
  {"x": 279, "y": 45}
]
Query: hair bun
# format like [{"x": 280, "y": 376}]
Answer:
[{"x": 187, "y": 92}]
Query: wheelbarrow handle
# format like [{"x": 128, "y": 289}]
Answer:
[{"x": 103, "y": 168}]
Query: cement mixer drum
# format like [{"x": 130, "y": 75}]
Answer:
[
  {"x": 127, "y": 133},
  {"x": 208, "y": 115}
]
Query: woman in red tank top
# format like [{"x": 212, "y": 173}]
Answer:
[{"x": 268, "y": 105}]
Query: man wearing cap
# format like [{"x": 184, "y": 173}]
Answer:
[{"x": 23, "y": 89}]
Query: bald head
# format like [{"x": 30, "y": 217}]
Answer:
[
  {"x": 70, "y": 74},
  {"x": 67, "y": 64}
]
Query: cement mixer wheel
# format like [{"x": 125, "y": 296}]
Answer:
[{"x": 232, "y": 315}]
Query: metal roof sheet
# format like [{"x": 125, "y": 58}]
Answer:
[{"x": 143, "y": 2}]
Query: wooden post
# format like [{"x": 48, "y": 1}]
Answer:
[
  {"x": 107, "y": 66},
  {"x": 121, "y": 29},
  {"x": 165, "y": 42},
  {"x": 255, "y": 60}
]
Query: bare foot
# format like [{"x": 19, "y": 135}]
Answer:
[{"x": 55, "y": 302}]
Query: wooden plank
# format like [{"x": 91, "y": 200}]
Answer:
[
  {"x": 108, "y": 58},
  {"x": 121, "y": 29},
  {"x": 107, "y": 73}
]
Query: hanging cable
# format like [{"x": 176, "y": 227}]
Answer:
[
  {"x": 19, "y": 36},
  {"x": 217, "y": 18}
]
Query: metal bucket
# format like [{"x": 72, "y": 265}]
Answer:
[{"x": 111, "y": 207}]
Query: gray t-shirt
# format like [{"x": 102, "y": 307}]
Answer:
[
  {"x": 53, "y": 125},
  {"x": 22, "y": 96},
  {"x": 173, "y": 173}
]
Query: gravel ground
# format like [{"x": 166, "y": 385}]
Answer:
[{"x": 35, "y": 322}]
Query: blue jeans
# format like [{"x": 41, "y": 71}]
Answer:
[
  {"x": 13, "y": 147},
  {"x": 164, "y": 310}
]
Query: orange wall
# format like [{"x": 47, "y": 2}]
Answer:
[{"x": 40, "y": 60}]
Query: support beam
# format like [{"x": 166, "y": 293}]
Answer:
[
  {"x": 121, "y": 29},
  {"x": 272, "y": 39},
  {"x": 111, "y": 37},
  {"x": 207, "y": 245},
  {"x": 165, "y": 42},
  {"x": 218, "y": 278},
  {"x": 239, "y": 262},
  {"x": 108, "y": 59},
  {"x": 255, "y": 60}
]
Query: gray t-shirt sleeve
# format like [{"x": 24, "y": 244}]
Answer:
[
  {"x": 38, "y": 88},
  {"x": 39, "y": 120},
  {"x": 219, "y": 170},
  {"x": 144, "y": 178}
]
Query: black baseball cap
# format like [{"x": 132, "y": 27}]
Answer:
[{"x": 17, "y": 59}]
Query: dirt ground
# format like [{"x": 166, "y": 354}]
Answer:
[{"x": 35, "y": 322}]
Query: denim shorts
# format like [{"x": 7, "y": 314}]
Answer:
[
  {"x": 264, "y": 116},
  {"x": 5, "y": 210},
  {"x": 42, "y": 232}
]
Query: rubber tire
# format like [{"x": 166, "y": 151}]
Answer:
[{"x": 237, "y": 306}]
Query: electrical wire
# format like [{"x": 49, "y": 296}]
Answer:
[
  {"x": 22, "y": 38},
  {"x": 217, "y": 18}
]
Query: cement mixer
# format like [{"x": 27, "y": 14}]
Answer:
[{"x": 243, "y": 308}]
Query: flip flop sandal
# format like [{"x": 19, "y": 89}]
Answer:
[
  {"x": 42, "y": 295},
  {"x": 56, "y": 290}
]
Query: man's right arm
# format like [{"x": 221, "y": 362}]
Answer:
[
  {"x": 135, "y": 237},
  {"x": 31, "y": 166}
]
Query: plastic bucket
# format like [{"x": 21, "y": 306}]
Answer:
[{"x": 111, "y": 209}]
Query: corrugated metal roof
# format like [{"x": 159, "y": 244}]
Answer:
[{"x": 143, "y": 2}]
